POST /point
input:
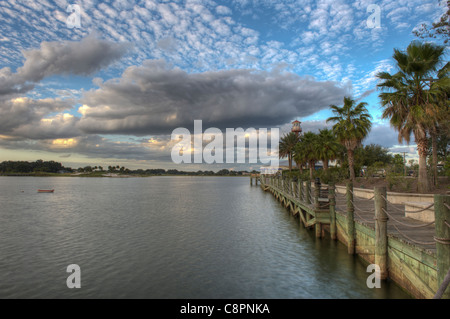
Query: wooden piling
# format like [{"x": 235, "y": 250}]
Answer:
[
  {"x": 332, "y": 200},
  {"x": 350, "y": 220},
  {"x": 316, "y": 194},
  {"x": 442, "y": 226},
  {"x": 318, "y": 225},
  {"x": 300, "y": 189},
  {"x": 381, "y": 240},
  {"x": 308, "y": 192}
]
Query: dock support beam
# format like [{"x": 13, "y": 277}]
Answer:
[
  {"x": 442, "y": 226},
  {"x": 381, "y": 240},
  {"x": 332, "y": 199},
  {"x": 350, "y": 220}
]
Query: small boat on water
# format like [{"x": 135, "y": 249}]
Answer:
[{"x": 46, "y": 190}]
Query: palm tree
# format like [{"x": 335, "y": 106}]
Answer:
[
  {"x": 286, "y": 147},
  {"x": 300, "y": 157},
  {"x": 328, "y": 147},
  {"x": 411, "y": 96},
  {"x": 352, "y": 126},
  {"x": 306, "y": 151},
  {"x": 299, "y": 161}
]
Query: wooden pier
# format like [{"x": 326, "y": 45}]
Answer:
[
  {"x": 414, "y": 254},
  {"x": 255, "y": 177}
]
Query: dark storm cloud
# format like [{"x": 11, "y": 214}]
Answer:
[
  {"x": 155, "y": 99},
  {"x": 59, "y": 58},
  {"x": 22, "y": 116},
  {"x": 382, "y": 134}
]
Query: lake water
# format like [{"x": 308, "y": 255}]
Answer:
[{"x": 166, "y": 237}]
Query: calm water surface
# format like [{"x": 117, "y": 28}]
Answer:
[{"x": 165, "y": 237}]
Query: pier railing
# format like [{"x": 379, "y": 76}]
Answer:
[{"x": 414, "y": 254}]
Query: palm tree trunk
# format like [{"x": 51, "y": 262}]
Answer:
[
  {"x": 434, "y": 154},
  {"x": 325, "y": 164},
  {"x": 311, "y": 170},
  {"x": 351, "y": 162},
  {"x": 423, "y": 185}
]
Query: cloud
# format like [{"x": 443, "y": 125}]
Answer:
[
  {"x": 155, "y": 99},
  {"x": 22, "y": 117},
  {"x": 223, "y": 10},
  {"x": 382, "y": 134},
  {"x": 83, "y": 57},
  {"x": 95, "y": 146}
]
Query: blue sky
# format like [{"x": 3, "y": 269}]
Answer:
[{"x": 112, "y": 90}]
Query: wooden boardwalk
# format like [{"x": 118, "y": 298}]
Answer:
[
  {"x": 365, "y": 213},
  {"x": 414, "y": 254}
]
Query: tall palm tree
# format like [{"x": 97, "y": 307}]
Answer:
[
  {"x": 328, "y": 147},
  {"x": 352, "y": 124},
  {"x": 300, "y": 157},
  {"x": 410, "y": 97},
  {"x": 287, "y": 145},
  {"x": 306, "y": 151}
]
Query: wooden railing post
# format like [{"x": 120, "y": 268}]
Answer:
[
  {"x": 287, "y": 189},
  {"x": 300, "y": 189},
  {"x": 381, "y": 241},
  {"x": 316, "y": 193},
  {"x": 293, "y": 188},
  {"x": 350, "y": 219},
  {"x": 442, "y": 227},
  {"x": 332, "y": 200},
  {"x": 308, "y": 192},
  {"x": 318, "y": 225}
]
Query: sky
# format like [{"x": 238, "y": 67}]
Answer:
[{"x": 106, "y": 82}]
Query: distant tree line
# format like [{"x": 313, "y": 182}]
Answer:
[{"x": 39, "y": 166}]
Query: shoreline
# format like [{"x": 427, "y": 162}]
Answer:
[{"x": 113, "y": 176}]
